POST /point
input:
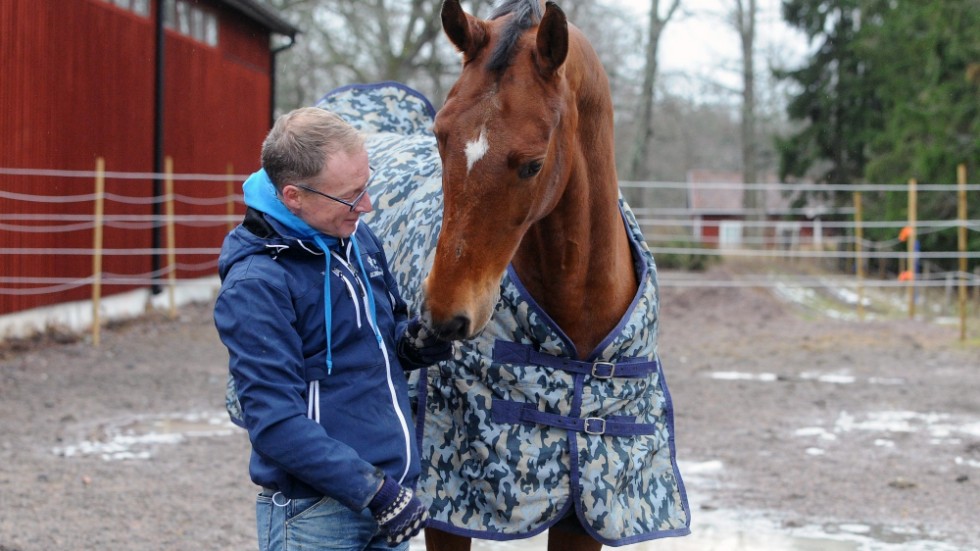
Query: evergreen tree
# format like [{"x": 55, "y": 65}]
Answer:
[
  {"x": 838, "y": 100},
  {"x": 891, "y": 92},
  {"x": 924, "y": 52}
]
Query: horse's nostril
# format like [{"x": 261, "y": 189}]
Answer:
[{"x": 455, "y": 329}]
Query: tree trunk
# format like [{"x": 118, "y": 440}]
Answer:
[
  {"x": 644, "y": 133},
  {"x": 753, "y": 199}
]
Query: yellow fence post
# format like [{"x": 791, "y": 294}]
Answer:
[
  {"x": 961, "y": 238},
  {"x": 913, "y": 204},
  {"x": 230, "y": 194},
  {"x": 171, "y": 235},
  {"x": 858, "y": 246},
  {"x": 97, "y": 250}
]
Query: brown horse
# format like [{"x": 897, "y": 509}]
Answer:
[{"x": 526, "y": 141}]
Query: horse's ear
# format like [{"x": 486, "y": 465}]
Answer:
[
  {"x": 463, "y": 30},
  {"x": 552, "y": 41}
]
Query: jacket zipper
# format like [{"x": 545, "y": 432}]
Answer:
[
  {"x": 350, "y": 287},
  {"x": 346, "y": 263}
]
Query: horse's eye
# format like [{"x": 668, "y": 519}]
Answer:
[{"x": 528, "y": 170}]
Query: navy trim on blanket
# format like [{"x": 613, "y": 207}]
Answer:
[
  {"x": 505, "y": 411},
  {"x": 522, "y": 354}
]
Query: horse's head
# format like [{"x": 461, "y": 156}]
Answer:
[{"x": 499, "y": 139}]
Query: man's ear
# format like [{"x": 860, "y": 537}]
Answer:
[{"x": 291, "y": 197}]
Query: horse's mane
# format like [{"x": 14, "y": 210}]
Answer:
[{"x": 527, "y": 13}]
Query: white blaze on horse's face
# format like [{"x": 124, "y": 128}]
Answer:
[{"x": 476, "y": 149}]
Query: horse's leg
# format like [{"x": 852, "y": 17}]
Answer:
[
  {"x": 570, "y": 540},
  {"x": 437, "y": 540}
]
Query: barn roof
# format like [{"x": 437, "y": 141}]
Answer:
[{"x": 262, "y": 14}]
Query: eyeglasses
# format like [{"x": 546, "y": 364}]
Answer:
[{"x": 352, "y": 204}]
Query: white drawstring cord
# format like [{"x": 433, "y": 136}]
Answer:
[{"x": 313, "y": 401}]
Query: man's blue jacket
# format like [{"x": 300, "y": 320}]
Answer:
[{"x": 270, "y": 315}]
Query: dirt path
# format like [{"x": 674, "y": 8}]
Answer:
[{"x": 807, "y": 420}]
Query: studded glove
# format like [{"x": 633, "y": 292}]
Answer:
[
  {"x": 419, "y": 347},
  {"x": 399, "y": 513}
]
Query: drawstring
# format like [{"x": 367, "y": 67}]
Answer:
[
  {"x": 327, "y": 313},
  {"x": 313, "y": 406}
]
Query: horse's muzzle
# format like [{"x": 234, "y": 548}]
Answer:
[{"x": 454, "y": 329}]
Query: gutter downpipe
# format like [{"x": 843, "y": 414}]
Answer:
[
  {"x": 272, "y": 76},
  {"x": 158, "y": 98}
]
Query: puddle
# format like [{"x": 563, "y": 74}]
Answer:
[
  {"x": 723, "y": 530},
  {"x": 138, "y": 437},
  {"x": 941, "y": 428},
  {"x": 834, "y": 378},
  {"x": 730, "y": 531},
  {"x": 740, "y": 376}
]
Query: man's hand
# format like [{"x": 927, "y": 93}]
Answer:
[
  {"x": 399, "y": 513},
  {"x": 419, "y": 347}
]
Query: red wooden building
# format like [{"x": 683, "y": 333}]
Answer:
[{"x": 132, "y": 82}]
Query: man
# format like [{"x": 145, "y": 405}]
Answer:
[{"x": 317, "y": 335}]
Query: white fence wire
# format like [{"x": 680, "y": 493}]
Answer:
[{"x": 665, "y": 227}]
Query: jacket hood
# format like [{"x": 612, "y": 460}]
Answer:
[
  {"x": 272, "y": 227},
  {"x": 261, "y": 195},
  {"x": 269, "y": 226}
]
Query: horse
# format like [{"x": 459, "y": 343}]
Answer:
[
  {"x": 506, "y": 231},
  {"x": 529, "y": 181}
]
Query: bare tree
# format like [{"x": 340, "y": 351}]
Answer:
[
  {"x": 655, "y": 28},
  {"x": 348, "y": 41},
  {"x": 744, "y": 18}
]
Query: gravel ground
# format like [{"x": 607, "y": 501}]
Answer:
[{"x": 809, "y": 420}]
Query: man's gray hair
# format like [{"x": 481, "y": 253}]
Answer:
[{"x": 301, "y": 141}]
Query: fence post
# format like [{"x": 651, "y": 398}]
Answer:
[
  {"x": 858, "y": 246},
  {"x": 97, "y": 249},
  {"x": 961, "y": 238},
  {"x": 230, "y": 193},
  {"x": 171, "y": 235},
  {"x": 976, "y": 289},
  {"x": 912, "y": 215}
]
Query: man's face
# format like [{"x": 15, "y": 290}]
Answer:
[{"x": 344, "y": 177}]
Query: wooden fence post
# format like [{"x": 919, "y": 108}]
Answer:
[
  {"x": 230, "y": 193},
  {"x": 961, "y": 238},
  {"x": 171, "y": 235},
  {"x": 912, "y": 215},
  {"x": 858, "y": 246},
  {"x": 97, "y": 250}
]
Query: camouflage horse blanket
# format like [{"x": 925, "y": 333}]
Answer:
[{"x": 514, "y": 433}]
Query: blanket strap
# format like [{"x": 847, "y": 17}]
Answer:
[
  {"x": 523, "y": 354},
  {"x": 506, "y": 411}
]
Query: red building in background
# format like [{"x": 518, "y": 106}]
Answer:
[{"x": 132, "y": 82}]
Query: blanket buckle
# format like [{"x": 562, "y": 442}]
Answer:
[
  {"x": 603, "y": 370},
  {"x": 595, "y": 425}
]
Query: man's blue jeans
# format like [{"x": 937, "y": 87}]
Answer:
[{"x": 315, "y": 523}]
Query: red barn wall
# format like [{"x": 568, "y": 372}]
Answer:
[{"x": 78, "y": 84}]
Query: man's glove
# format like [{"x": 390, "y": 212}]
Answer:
[
  {"x": 399, "y": 513},
  {"x": 419, "y": 347}
]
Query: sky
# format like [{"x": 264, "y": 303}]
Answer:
[{"x": 699, "y": 42}]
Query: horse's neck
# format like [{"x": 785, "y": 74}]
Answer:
[{"x": 577, "y": 263}]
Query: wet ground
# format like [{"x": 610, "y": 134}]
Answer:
[{"x": 795, "y": 431}]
